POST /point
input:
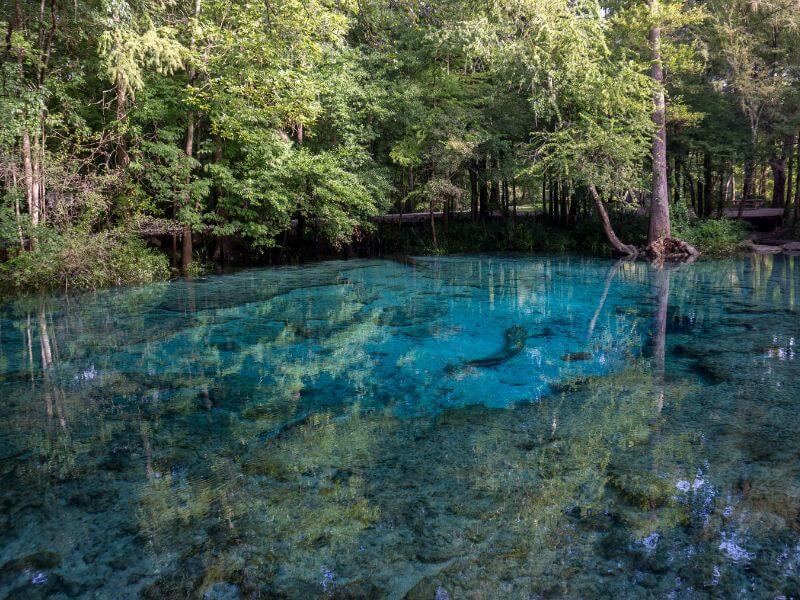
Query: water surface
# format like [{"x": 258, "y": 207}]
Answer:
[{"x": 471, "y": 427}]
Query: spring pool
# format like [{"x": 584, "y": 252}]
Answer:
[{"x": 462, "y": 427}]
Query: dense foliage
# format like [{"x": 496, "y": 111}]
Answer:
[{"x": 225, "y": 131}]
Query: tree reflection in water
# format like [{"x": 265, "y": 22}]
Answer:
[{"x": 304, "y": 432}]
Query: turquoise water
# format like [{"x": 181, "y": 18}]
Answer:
[{"x": 471, "y": 427}]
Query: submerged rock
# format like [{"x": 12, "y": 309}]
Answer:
[
  {"x": 515, "y": 342},
  {"x": 359, "y": 589},
  {"x": 427, "y": 588},
  {"x": 221, "y": 591},
  {"x": 32, "y": 562},
  {"x": 576, "y": 356},
  {"x": 93, "y": 501}
]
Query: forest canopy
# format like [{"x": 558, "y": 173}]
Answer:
[{"x": 221, "y": 130}]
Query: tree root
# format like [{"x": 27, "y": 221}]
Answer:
[{"x": 671, "y": 250}]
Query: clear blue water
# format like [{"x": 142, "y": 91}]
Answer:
[{"x": 467, "y": 427}]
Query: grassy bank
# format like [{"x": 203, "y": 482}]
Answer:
[{"x": 79, "y": 260}]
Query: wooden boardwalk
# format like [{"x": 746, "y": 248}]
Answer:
[
  {"x": 755, "y": 213},
  {"x": 762, "y": 219}
]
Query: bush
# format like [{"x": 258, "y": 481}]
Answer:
[
  {"x": 713, "y": 237},
  {"x": 81, "y": 260}
]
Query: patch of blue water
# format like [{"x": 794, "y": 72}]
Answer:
[
  {"x": 444, "y": 427},
  {"x": 439, "y": 333}
]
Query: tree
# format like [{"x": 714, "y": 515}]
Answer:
[
  {"x": 133, "y": 44},
  {"x": 659, "y": 207},
  {"x": 598, "y": 104}
]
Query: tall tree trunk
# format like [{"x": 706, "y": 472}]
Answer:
[
  {"x": 730, "y": 188},
  {"x": 748, "y": 186},
  {"x": 494, "y": 198},
  {"x": 473, "y": 191},
  {"x": 761, "y": 182},
  {"x": 691, "y": 188},
  {"x": 514, "y": 199},
  {"x": 701, "y": 198},
  {"x": 708, "y": 186},
  {"x": 32, "y": 147},
  {"x": 602, "y": 213},
  {"x": 433, "y": 226},
  {"x": 122, "y": 159},
  {"x": 187, "y": 249},
  {"x": 659, "y": 206},
  {"x": 483, "y": 192},
  {"x": 544, "y": 197},
  {"x": 31, "y": 185},
  {"x": 572, "y": 214},
  {"x": 17, "y": 213},
  {"x": 778, "y": 166},
  {"x": 38, "y": 169},
  {"x": 412, "y": 185},
  {"x": 563, "y": 191},
  {"x": 790, "y": 176},
  {"x": 797, "y": 185},
  {"x": 222, "y": 249}
]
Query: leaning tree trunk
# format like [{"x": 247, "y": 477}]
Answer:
[
  {"x": 659, "y": 206},
  {"x": 602, "y": 213}
]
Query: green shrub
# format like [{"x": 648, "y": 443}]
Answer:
[
  {"x": 713, "y": 237},
  {"x": 80, "y": 260}
]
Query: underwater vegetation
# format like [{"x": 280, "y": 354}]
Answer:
[{"x": 462, "y": 427}]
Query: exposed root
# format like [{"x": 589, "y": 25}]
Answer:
[{"x": 671, "y": 250}]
